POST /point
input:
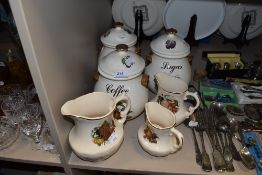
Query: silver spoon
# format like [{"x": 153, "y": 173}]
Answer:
[
  {"x": 197, "y": 150},
  {"x": 247, "y": 159},
  {"x": 228, "y": 156},
  {"x": 222, "y": 126},
  {"x": 226, "y": 128}
]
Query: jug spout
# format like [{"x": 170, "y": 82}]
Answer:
[
  {"x": 158, "y": 116},
  {"x": 91, "y": 106},
  {"x": 65, "y": 110},
  {"x": 70, "y": 109},
  {"x": 169, "y": 83}
]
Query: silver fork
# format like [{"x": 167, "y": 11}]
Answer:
[
  {"x": 206, "y": 163},
  {"x": 219, "y": 161}
]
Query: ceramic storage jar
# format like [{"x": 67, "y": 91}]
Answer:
[
  {"x": 113, "y": 37},
  {"x": 169, "y": 56},
  {"x": 120, "y": 72}
]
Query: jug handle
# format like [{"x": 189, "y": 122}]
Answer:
[
  {"x": 145, "y": 80},
  {"x": 192, "y": 109},
  {"x": 123, "y": 113},
  {"x": 96, "y": 76},
  {"x": 177, "y": 136},
  {"x": 138, "y": 51}
]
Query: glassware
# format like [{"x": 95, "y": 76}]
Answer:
[
  {"x": 46, "y": 141},
  {"x": 9, "y": 132},
  {"x": 30, "y": 93},
  {"x": 10, "y": 104},
  {"x": 30, "y": 120},
  {"x": 11, "y": 89}
]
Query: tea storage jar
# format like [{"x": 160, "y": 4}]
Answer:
[
  {"x": 113, "y": 37},
  {"x": 169, "y": 55},
  {"x": 120, "y": 72}
]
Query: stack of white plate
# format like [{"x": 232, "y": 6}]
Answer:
[
  {"x": 124, "y": 11},
  {"x": 211, "y": 16},
  {"x": 235, "y": 14}
]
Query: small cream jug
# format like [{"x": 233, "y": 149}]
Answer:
[
  {"x": 158, "y": 136},
  {"x": 172, "y": 93},
  {"x": 98, "y": 130}
]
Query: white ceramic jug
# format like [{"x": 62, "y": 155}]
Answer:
[
  {"x": 158, "y": 136},
  {"x": 172, "y": 93},
  {"x": 98, "y": 130}
]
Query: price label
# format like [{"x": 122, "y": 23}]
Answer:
[
  {"x": 120, "y": 74},
  {"x": 192, "y": 123},
  {"x": 47, "y": 147},
  {"x": 112, "y": 138}
]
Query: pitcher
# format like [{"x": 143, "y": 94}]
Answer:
[
  {"x": 98, "y": 130},
  {"x": 172, "y": 93},
  {"x": 158, "y": 136}
]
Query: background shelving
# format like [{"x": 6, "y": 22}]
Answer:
[{"x": 60, "y": 41}]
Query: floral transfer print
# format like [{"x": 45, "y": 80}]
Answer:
[
  {"x": 101, "y": 134},
  {"x": 128, "y": 61},
  {"x": 170, "y": 44},
  {"x": 150, "y": 135},
  {"x": 168, "y": 103}
]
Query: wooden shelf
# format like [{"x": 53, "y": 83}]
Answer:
[
  {"x": 60, "y": 49},
  {"x": 131, "y": 158},
  {"x": 24, "y": 150}
]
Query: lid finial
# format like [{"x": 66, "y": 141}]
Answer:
[
  {"x": 171, "y": 31},
  {"x": 118, "y": 24}
]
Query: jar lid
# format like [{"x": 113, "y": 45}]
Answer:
[
  {"x": 118, "y": 35},
  {"x": 121, "y": 64},
  {"x": 170, "y": 45}
]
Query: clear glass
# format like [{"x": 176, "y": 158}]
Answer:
[
  {"x": 11, "y": 89},
  {"x": 30, "y": 120},
  {"x": 10, "y": 104},
  {"x": 46, "y": 141},
  {"x": 30, "y": 93},
  {"x": 9, "y": 132}
]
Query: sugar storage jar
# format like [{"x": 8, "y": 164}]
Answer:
[{"x": 169, "y": 55}]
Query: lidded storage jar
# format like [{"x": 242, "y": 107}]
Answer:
[
  {"x": 120, "y": 72},
  {"x": 113, "y": 37},
  {"x": 169, "y": 56}
]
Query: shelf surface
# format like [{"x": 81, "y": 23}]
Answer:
[
  {"x": 24, "y": 150},
  {"x": 133, "y": 159}
]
